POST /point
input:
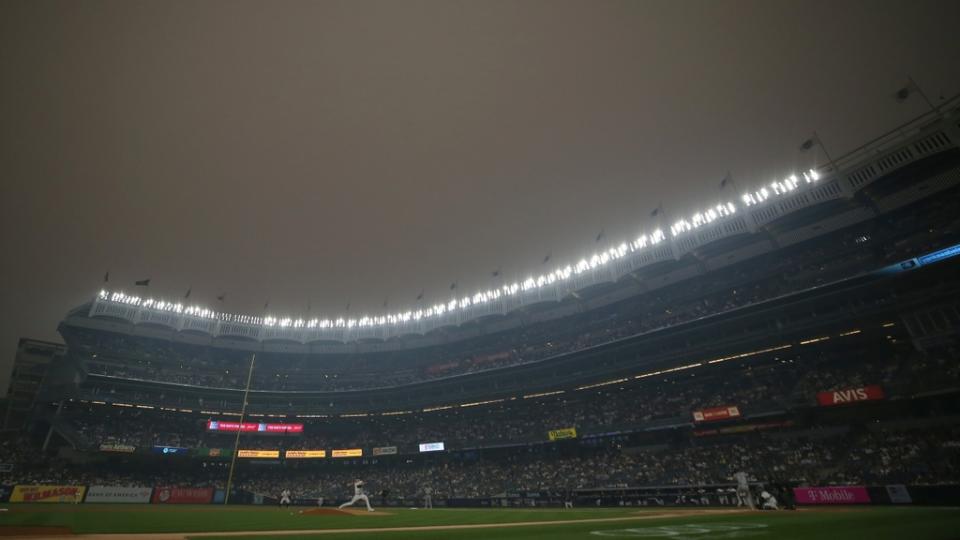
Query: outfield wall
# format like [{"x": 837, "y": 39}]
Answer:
[
  {"x": 113, "y": 494},
  {"x": 654, "y": 496}
]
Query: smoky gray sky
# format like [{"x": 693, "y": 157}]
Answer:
[{"x": 358, "y": 150}]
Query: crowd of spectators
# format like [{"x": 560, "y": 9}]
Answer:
[
  {"x": 799, "y": 457},
  {"x": 777, "y": 383},
  {"x": 836, "y": 256}
]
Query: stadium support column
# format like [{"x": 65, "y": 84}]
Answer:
[
  {"x": 53, "y": 420},
  {"x": 236, "y": 442}
]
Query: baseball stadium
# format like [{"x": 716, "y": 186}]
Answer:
[
  {"x": 780, "y": 365},
  {"x": 505, "y": 292}
]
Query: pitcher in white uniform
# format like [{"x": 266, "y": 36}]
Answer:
[{"x": 358, "y": 495}]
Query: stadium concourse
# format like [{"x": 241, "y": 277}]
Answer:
[{"x": 808, "y": 355}]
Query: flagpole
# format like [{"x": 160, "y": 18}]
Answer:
[
  {"x": 923, "y": 94},
  {"x": 731, "y": 181},
  {"x": 236, "y": 442},
  {"x": 825, "y": 152}
]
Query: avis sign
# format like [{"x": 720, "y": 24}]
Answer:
[{"x": 850, "y": 395}]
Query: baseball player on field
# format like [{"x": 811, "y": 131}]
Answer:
[{"x": 358, "y": 495}]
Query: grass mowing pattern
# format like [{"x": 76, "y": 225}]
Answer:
[
  {"x": 876, "y": 523},
  {"x": 857, "y": 524},
  {"x": 137, "y": 518}
]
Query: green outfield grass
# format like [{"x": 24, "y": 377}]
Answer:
[{"x": 847, "y": 523}]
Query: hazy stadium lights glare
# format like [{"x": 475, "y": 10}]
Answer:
[
  {"x": 782, "y": 187},
  {"x": 702, "y": 218},
  {"x": 585, "y": 264}
]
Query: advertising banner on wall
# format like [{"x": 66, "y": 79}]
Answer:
[
  {"x": 213, "y": 452},
  {"x": 111, "y": 494},
  {"x": 716, "y": 413},
  {"x": 565, "y": 433},
  {"x": 47, "y": 494},
  {"x": 850, "y": 395},
  {"x": 169, "y": 450},
  {"x": 305, "y": 454},
  {"x": 385, "y": 451},
  {"x": 832, "y": 495},
  {"x": 5, "y": 492},
  {"x": 263, "y": 454},
  {"x": 431, "y": 447},
  {"x": 178, "y": 495},
  {"x": 347, "y": 452},
  {"x": 254, "y": 427},
  {"x": 121, "y": 448}
]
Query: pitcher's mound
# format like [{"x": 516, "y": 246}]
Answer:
[{"x": 338, "y": 512}]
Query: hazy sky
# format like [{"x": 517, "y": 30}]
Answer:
[{"x": 354, "y": 151}]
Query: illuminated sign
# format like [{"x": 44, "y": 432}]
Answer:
[
  {"x": 169, "y": 450},
  {"x": 258, "y": 453},
  {"x": 431, "y": 447},
  {"x": 305, "y": 454},
  {"x": 254, "y": 427},
  {"x": 213, "y": 452},
  {"x": 123, "y": 448},
  {"x": 850, "y": 395},
  {"x": 945, "y": 253},
  {"x": 716, "y": 413},
  {"x": 385, "y": 451},
  {"x": 347, "y": 452},
  {"x": 47, "y": 494},
  {"x": 565, "y": 433}
]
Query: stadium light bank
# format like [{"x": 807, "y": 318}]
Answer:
[{"x": 684, "y": 225}]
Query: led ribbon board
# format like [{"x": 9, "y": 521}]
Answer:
[
  {"x": 269, "y": 454},
  {"x": 431, "y": 447},
  {"x": 253, "y": 427},
  {"x": 305, "y": 454}
]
